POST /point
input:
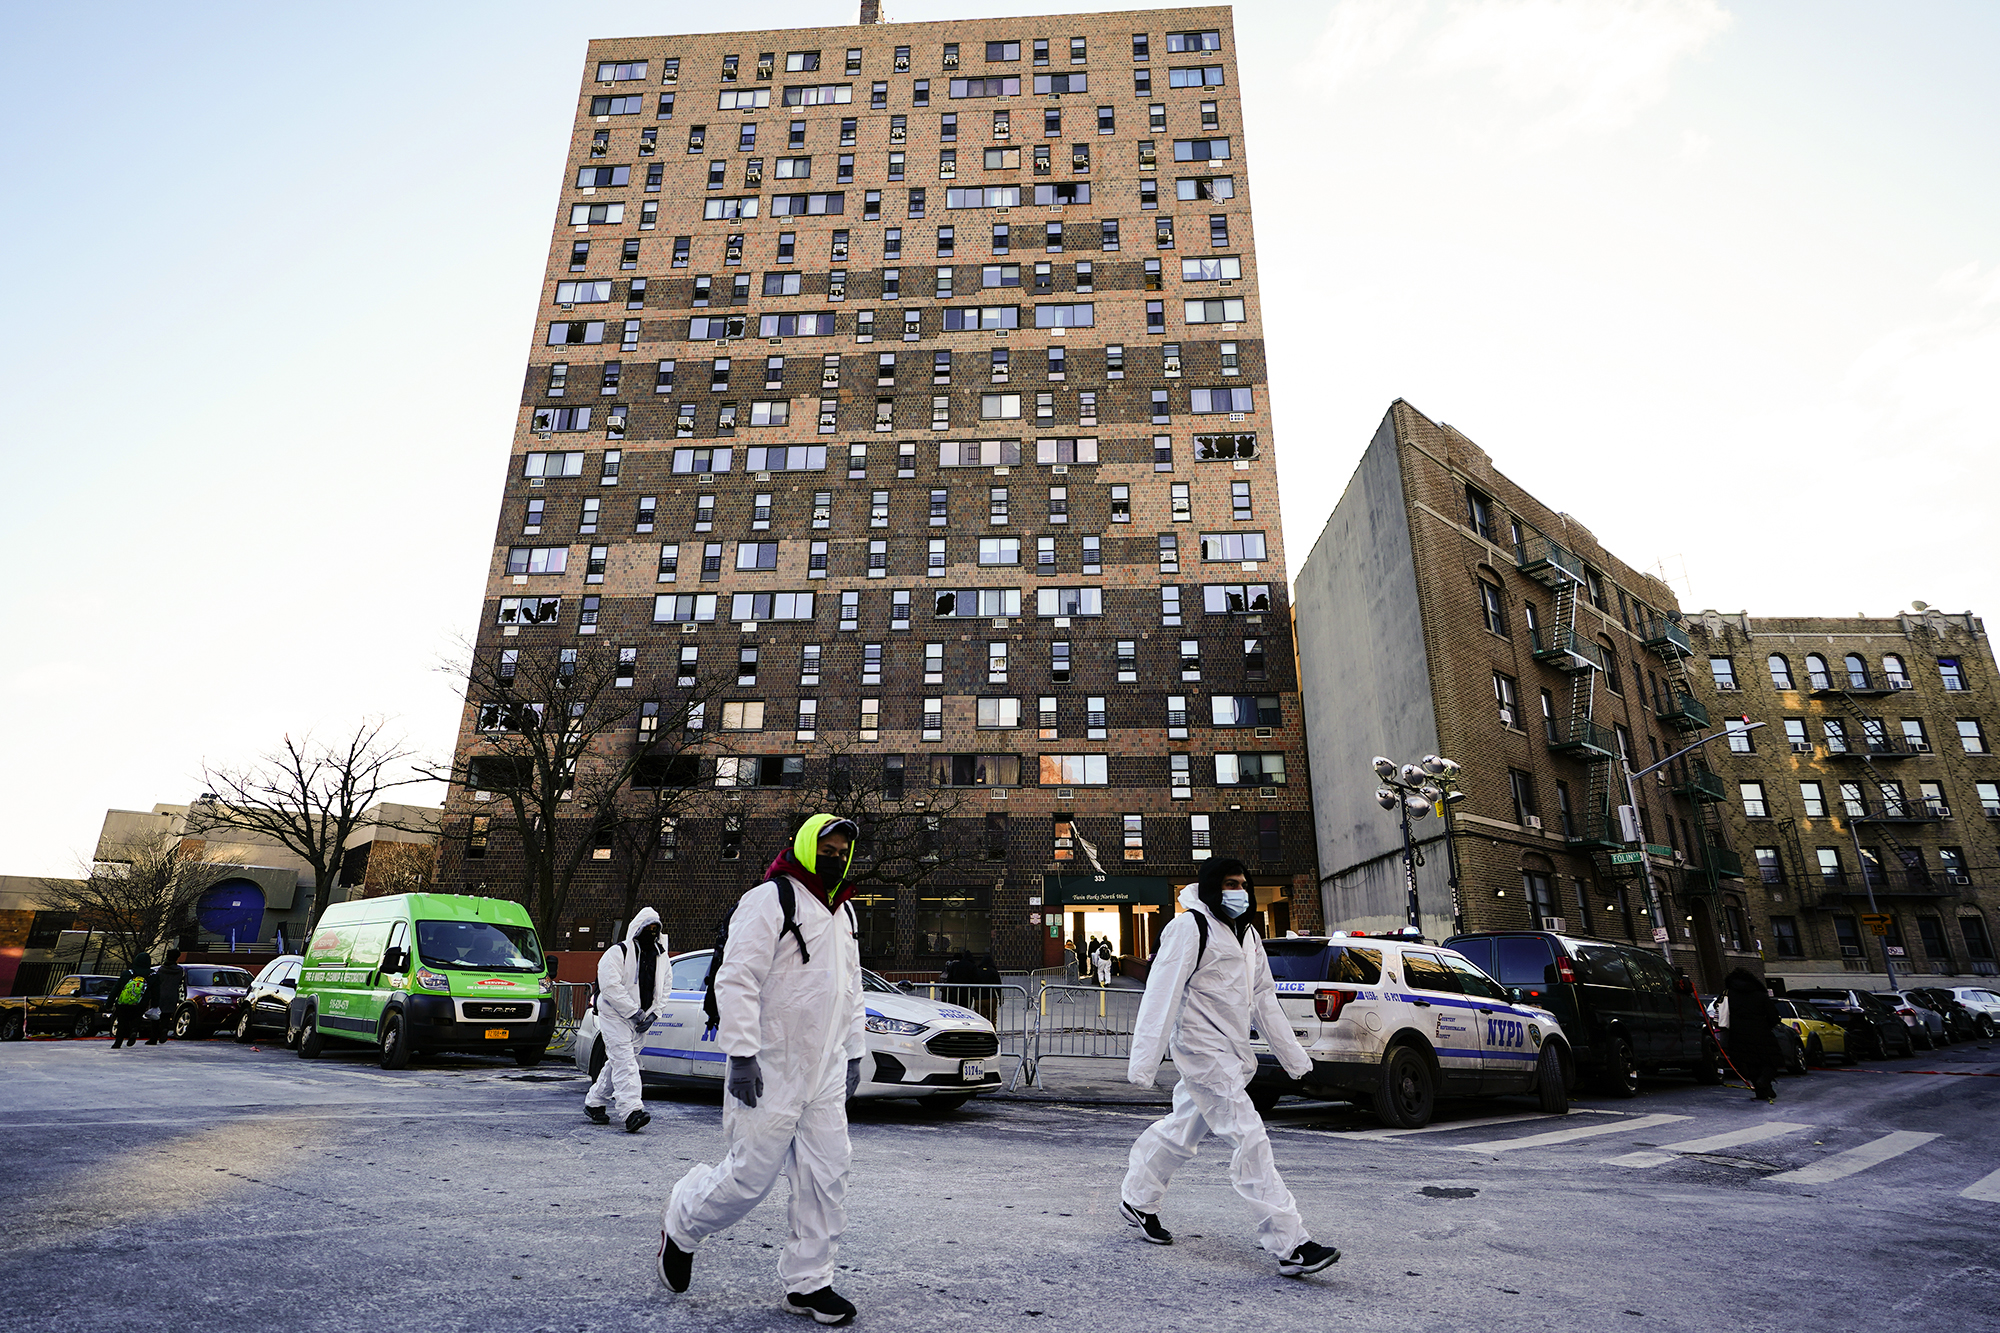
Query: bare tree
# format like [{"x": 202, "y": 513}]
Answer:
[
  {"x": 561, "y": 743},
  {"x": 917, "y": 825},
  {"x": 143, "y": 898},
  {"x": 400, "y": 867},
  {"x": 645, "y": 828},
  {"x": 307, "y": 796}
]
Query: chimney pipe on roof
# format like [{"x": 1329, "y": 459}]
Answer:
[{"x": 871, "y": 11}]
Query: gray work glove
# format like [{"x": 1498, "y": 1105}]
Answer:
[
  {"x": 746, "y": 1081},
  {"x": 853, "y": 1076},
  {"x": 643, "y": 1020}
]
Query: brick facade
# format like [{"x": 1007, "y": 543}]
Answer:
[{"x": 665, "y": 117}]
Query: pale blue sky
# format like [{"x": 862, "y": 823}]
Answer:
[{"x": 1676, "y": 264}]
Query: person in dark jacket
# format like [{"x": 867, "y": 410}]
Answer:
[
  {"x": 1750, "y": 1017},
  {"x": 958, "y": 972},
  {"x": 986, "y": 1002},
  {"x": 125, "y": 1012},
  {"x": 163, "y": 992}
]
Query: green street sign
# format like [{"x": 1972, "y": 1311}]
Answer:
[
  {"x": 1627, "y": 858},
  {"x": 1658, "y": 850}
]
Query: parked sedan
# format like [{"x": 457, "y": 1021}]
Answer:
[
  {"x": 210, "y": 997},
  {"x": 1926, "y": 1024},
  {"x": 940, "y": 1054},
  {"x": 1874, "y": 1029},
  {"x": 267, "y": 1008}
]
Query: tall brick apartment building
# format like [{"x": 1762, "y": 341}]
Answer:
[
  {"x": 918, "y": 369},
  {"x": 1875, "y": 773},
  {"x": 1444, "y": 610},
  {"x": 1502, "y": 634}
]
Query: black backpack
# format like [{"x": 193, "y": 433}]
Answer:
[{"x": 788, "y": 905}]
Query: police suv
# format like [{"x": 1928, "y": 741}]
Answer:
[{"x": 1395, "y": 1022}]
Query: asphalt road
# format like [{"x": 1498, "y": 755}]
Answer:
[{"x": 221, "y": 1188}]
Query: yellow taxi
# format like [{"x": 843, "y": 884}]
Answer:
[{"x": 1819, "y": 1037}]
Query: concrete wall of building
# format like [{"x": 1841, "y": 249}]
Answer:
[{"x": 1365, "y": 686}]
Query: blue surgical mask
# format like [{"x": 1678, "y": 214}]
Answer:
[{"x": 1235, "y": 902}]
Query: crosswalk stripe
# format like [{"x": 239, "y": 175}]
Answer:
[
  {"x": 1986, "y": 1190},
  {"x": 1854, "y": 1159},
  {"x": 1667, "y": 1152},
  {"x": 1569, "y": 1135},
  {"x": 1467, "y": 1124}
]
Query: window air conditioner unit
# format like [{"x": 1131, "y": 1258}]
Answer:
[
  {"x": 1065, "y": 793},
  {"x": 1939, "y": 811},
  {"x": 1264, "y": 733},
  {"x": 1558, "y": 924},
  {"x": 1850, "y": 951},
  {"x": 1533, "y": 821},
  {"x": 1802, "y": 747},
  {"x": 1920, "y": 747},
  {"x": 1958, "y": 877},
  {"x": 1267, "y": 791}
]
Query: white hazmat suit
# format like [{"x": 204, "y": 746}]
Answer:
[
  {"x": 617, "y": 1003},
  {"x": 803, "y": 1022},
  {"x": 1204, "y": 1012},
  {"x": 1101, "y": 959}
]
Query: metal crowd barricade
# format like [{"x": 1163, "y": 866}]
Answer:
[
  {"x": 1008, "y": 1007},
  {"x": 1085, "y": 1022},
  {"x": 572, "y": 999}
]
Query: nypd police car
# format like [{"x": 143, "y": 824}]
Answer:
[
  {"x": 940, "y": 1054},
  {"x": 1395, "y": 1022}
]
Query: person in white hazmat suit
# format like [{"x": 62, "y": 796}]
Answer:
[
  {"x": 632, "y": 982},
  {"x": 791, "y": 1022},
  {"x": 1101, "y": 959},
  {"x": 1201, "y": 995}
]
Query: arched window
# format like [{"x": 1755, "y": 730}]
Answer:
[
  {"x": 1857, "y": 670},
  {"x": 1781, "y": 671},
  {"x": 1892, "y": 670},
  {"x": 1816, "y": 676}
]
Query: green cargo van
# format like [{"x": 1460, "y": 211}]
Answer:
[{"x": 416, "y": 972}]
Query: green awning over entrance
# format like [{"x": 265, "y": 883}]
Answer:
[{"x": 1080, "y": 891}]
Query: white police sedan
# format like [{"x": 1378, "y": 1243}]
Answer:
[{"x": 939, "y": 1054}]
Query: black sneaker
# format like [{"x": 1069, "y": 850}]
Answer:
[
  {"x": 637, "y": 1121},
  {"x": 598, "y": 1114},
  {"x": 676, "y": 1264},
  {"x": 1308, "y": 1258},
  {"x": 826, "y": 1306},
  {"x": 1148, "y": 1224}
]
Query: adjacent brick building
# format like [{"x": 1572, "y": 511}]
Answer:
[
  {"x": 1446, "y": 611},
  {"x": 1874, "y": 774},
  {"x": 925, "y": 361}
]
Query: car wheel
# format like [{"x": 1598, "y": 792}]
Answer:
[
  {"x": 1407, "y": 1092},
  {"x": 184, "y": 1024},
  {"x": 1551, "y": 1088},
  {"x": 1794, "y": 1053},
  {"x": 1621, "y": 1074},
  {"x": 1921, "y": 1040},
  {"x": 244, "y": 1030},
  {"x": 1985, "y": 1026},
  {"x": 942, "y": 1103},
  {"x": 1815, "y": 1054},
  {"x": 1264, "y": 1099},
  {"x": 395, "y": 1050},
  {"x": 15, "y": 1029},
  {"x": 527, "y": 1056},
  {"x": 310, "y": 1044}
]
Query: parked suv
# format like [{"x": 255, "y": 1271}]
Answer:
[
  {"x": 1960, "y": 1023},
  {"x": 1874, "y": 1030},
  {"x": 1624, "y": 1011},
  {"x": 1984, "y": 1004},
  {"x": 1927, "y": 1026},
  {"x": 210, "y": 997},
  {"x": 1395, "y": 1022}
]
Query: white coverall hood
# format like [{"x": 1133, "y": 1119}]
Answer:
[{"x": 803, "y": 1021}]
